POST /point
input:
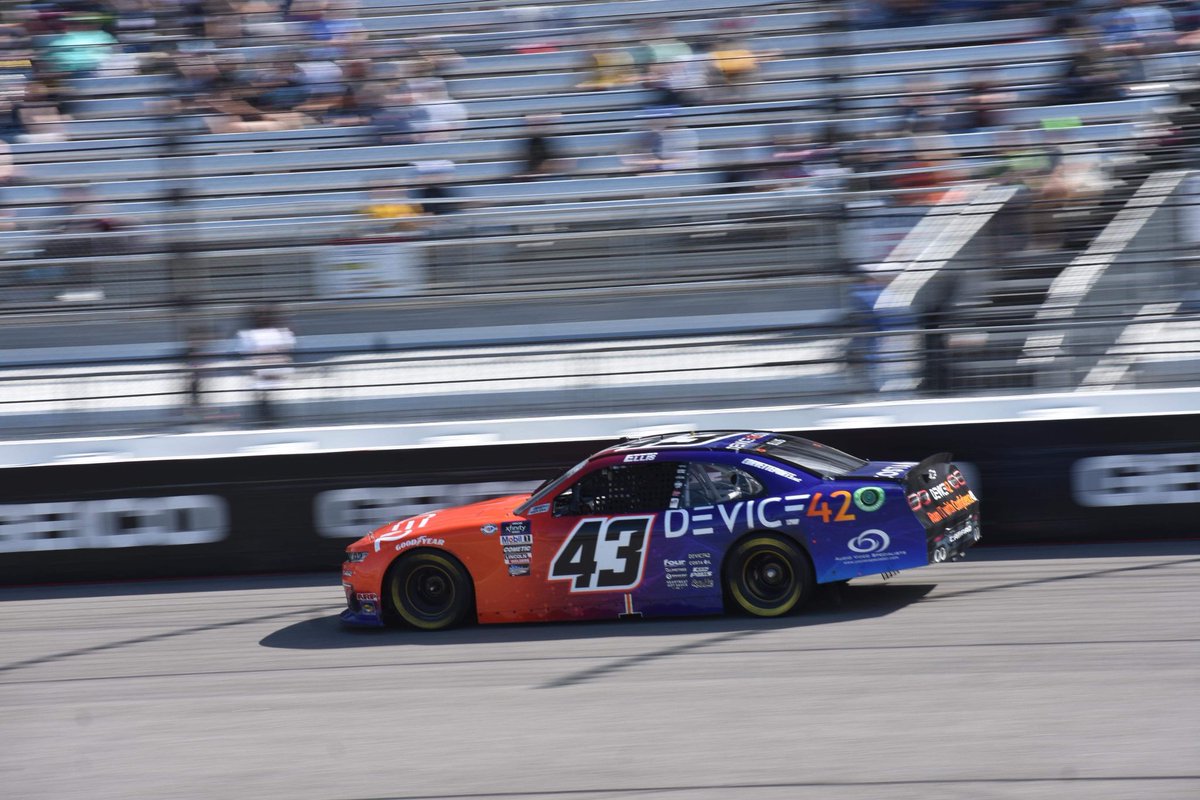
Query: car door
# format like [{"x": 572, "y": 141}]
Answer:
[{"x": 592, "y": 544}]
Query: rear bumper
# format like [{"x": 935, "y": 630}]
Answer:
[{"x": 951, "y": 541}]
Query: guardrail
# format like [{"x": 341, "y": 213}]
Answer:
[{"x": 814, "y": 359}]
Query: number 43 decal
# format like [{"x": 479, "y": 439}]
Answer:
[{"x": 603, "y": 554}]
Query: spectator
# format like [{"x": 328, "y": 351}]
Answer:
[
  {"x": 246, "y": 101},
  {"x": 396, "y": 118},
  {"x": 662, "y": 148},
  {"x": 81, "y": 233},
  {"x": 734, "y": 64},
  {"x": 390, "y": 209},
  {"x": 443, "y": 117},
  {"x": 35, "y": 117},
  {"x": 796, "y": 157},
  {"x": 1091, "y": 77},
  {"x": 980, "y": 109},
  {"x": 433, "y": 193},
  {"x": 196, "y": 353},
  {"x": 16, "y": 56},
  {"x": 931, "y": 171},
  {"x": 6, "y": 164},
  {"x": 923, "y": 109},
  {"x": 332, "y": 23},
  {"x": 1141, "y": 28},
  {"x": 609, "y": 68},
  {"x": 538, "y": 150},
  {"x": 267, "y": 345},
  {"x": 82, "y": 48}
]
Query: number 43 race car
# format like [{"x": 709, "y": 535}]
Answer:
[{"x": 662, "y": 526}]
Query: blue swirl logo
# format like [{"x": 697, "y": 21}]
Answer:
[{"x": 871, "y": 541}]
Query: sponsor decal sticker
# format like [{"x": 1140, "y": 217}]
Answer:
[
  {"x": 770, "y": 512},
  {"x": 367, "y": 597},
  {"x": 675, "y": 572},
  {"x": 746, "y": 441},
  {"x": 871, "y": 541},
  {"x": 632, "y": 457},
  {"x": 540, "y": 509},
  {"x": 771, "y": 468},
  {"x": 604, "y": 554},
  {"x": 489, "y": 529},
  {"x": 420, "y": 541},
  {"x": 895, "y": 470},
  {"x": 868, "y": 498},
  {"x": 516, "y": 544},
  {"x": 869, "y": 547},
  {"x": 403, "y": 528}
]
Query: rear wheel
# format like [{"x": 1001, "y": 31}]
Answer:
[
  {"x": 768, "y": 576},
  {"x": 430, "y": 591}
]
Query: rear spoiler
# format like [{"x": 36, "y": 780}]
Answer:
[{"x": 930, "y": 470}]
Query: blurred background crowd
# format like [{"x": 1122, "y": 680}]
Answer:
[{"x": 380, "y": 173}]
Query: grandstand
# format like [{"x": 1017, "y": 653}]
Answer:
[{"x": 482, "y": 207}]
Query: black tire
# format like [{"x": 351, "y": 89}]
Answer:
[
  {"x": 767, "y": 576},
  {"x": 429, "y": 590}
]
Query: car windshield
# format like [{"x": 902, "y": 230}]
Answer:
[
  {"x": 549, "y": 487},
  {"x": 810, "y": 456}
]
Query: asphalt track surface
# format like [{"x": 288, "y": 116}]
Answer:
[{"x": 1021, "y": 673}]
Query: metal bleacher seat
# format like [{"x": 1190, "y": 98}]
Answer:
[
  {"x": 335, "y": 168},
  {"x": 337, "y": 160},
  {"x": 583, "y": 13}
]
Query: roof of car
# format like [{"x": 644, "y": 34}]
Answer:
[{"x": 685, "y": 440}]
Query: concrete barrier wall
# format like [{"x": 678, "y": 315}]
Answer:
[{"x": 1040, "y": 481}]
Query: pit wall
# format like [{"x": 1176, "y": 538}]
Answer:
[{"x": 1077, "y": 480}]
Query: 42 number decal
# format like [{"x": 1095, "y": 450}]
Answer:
[
  {"x": 603, "y": 554},
  {"x": 820, "y": 508}
]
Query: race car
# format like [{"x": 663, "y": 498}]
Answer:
[{"x": 666, "y": 525}]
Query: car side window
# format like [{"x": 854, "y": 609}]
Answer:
[
  {"x": 620, "y": 489},
  {"x": 709, "y": 484}
]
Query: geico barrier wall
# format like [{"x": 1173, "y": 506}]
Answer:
[{"x": 1124, "y": 477}]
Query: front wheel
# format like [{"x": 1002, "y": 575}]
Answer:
[
  {"x": 768, "y": 576},
  {"x": 430, "y": 591}
]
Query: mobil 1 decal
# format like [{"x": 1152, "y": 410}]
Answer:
[
  {"x": 516, "y": 542},
  {"x": 604, "y": 554}
]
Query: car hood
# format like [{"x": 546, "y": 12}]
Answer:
[{"x": 448, "y": 521}]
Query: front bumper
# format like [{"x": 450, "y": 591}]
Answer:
[
  {"x": 951, "y": 542},
  {"x": 363, "y": 609}
]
